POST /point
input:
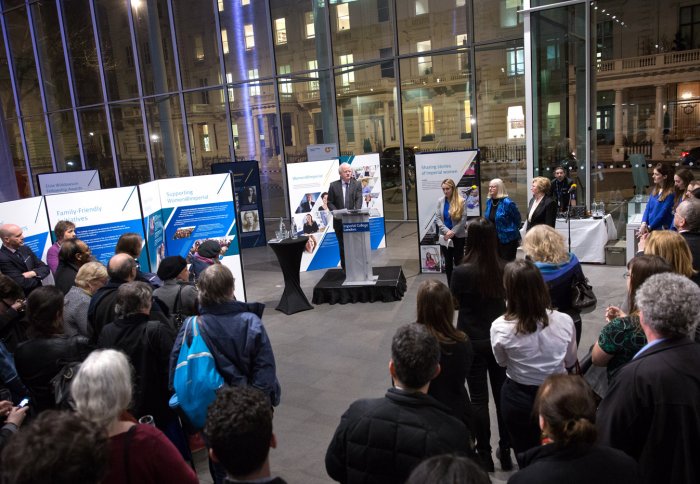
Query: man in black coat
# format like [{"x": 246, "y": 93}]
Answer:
[
  {"x": 382, "y": 440},
  {"x": 18, "y": 261},
  {"x": 687, "y": 222},
  {"x": 344, "y": 193},
  {"x": 652, "y": 410},
  {"x": 74, "y": 254}
]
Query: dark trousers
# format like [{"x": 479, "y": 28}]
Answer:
[
  {"x": 517, "y": 401},
  {"x": 453, "y": 255},
  {"x": 483, "y": 369},
  {"x": 507, "y": 251},
  {"x": 338, "y": 228}
]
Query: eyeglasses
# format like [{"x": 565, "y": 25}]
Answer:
[{"x": 626, "y": 275}]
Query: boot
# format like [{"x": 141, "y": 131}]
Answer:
[{"x": 503, "y": 455}]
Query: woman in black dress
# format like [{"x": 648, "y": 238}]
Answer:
[
  {"x": 310, "y": 225},
  {"x": 477, "y": 285},
  {"x": 435, "y": 310}
]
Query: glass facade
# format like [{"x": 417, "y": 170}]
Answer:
[{"x": 148, "y": 89}]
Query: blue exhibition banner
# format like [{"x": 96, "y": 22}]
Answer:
[
  {"x": 100, "y": 219},
  {"x": 248, "y": 197}
]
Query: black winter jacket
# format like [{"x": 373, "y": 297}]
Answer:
[{"x": 382, "y": 440}]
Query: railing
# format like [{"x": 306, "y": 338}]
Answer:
[
  {"x": 643, "y": 147},
  {"x": 502, "y": 153},
  {"x": 650, "y": 62}
]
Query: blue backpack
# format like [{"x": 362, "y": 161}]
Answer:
[{"x": 196, "y": 378}]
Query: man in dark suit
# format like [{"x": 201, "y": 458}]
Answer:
[
  {"x": 652, "y": 410},
  {"x": 687, "y": 222},
  {"x": 307, "y": 204},
  {"x": 344, "y": 193},
  {"x": 561, "y": 190},
  {"x": 19, "y": 262}
]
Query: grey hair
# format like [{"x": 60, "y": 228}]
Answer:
[
  {"x": 668, "y": 303},
  {"x": 501, "y": 192},
  {"x": 343, "y": 165},
  {"x": 132, "y": 298},
  {"x": 102, "y": 387},
  {"x": 690, "y": 211},
  {"x": 215, "y": 284}
]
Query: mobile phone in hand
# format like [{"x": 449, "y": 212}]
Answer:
[{"x": 23, "y": 403}]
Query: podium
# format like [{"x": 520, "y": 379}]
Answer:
[{"x": 358, "y": 251}]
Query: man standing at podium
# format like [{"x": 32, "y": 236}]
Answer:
[{"x": 343, "y": 193}]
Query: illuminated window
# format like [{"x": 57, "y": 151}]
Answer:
[
  {"x": 229, "y": 80},
  {"x": 460, "y": 3},
  {"x": 428, "y": 120},
  {"x": 515, "y": 61},
  {"x": 236, "y": 142},
  {"x": 348, "y": 76},
  {"x": 206, "y": 145},
  {"x": 280, "y": 31},
  {"x": 198, "y": 48},
  {"x": 343, "y": 16},
  {"x": 285, "y": 83},
  {"x": 421, "y": 7},
  {"x": 310, "y": 30},
  {"x": 313, "y": 65},
  {"x": 221, "y": 5},
  {"x": 467, "y": 116},
  {"x": 254, "y": 88},
  {"x": 245, "y": 2},
  {"x": 224, "y": 40},
  {"x": 425, "y": 63},
  {"x": 249, "y": 36}
]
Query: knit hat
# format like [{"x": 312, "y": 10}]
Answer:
[
  {"x": 170, "y": 267},
  {"x": 209, "y": 249}
]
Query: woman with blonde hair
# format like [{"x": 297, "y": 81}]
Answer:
[
  {"x": 102, "y": 391},
  {"x": 451, "y": 218},
  {"x": 542, "y": 208},
  {"x": 674, "y": 249},
  {"x": 546, "y": 248},
  {"x": 504, "y": 214},
  {"x": 89, "y": 279}
]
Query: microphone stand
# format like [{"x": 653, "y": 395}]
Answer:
[{"x": 568, "y": 219}]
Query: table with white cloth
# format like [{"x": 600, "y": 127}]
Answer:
[{"x": 588, "y": 237}]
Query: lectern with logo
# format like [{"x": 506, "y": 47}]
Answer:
[{"x": 358, "y": 251}]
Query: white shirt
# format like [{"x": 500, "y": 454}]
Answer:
[
  {"x": 535, "y": 204},
  {"x": 530, "y": 358}
]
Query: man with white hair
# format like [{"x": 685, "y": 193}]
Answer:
[
  {"x": 344, "y": 193},
  {"x": 687, "y": 222},
  {"x": 652, "y": 410}
]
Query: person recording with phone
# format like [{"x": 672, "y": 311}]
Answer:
[{"x": 13, "y": 418}]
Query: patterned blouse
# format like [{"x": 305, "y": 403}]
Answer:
[{"x": 622, "y": 338}]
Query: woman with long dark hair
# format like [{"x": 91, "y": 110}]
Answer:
[
  {"x": 567, "y": 407},
  {"x": 451, "y": 218},
  {"x": 658, "y": 213},
  {"x": 533, "y": 342},
  {"x": 622, "y": 337},
  {"x": 477, "y": 285},
  {"x": 435, "y": 310}
]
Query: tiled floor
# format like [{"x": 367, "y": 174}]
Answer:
[{"x": 331, "y": 355}]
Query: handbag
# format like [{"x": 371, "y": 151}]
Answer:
[
  {"x": 582, "y": 296},
  {"x": 60, "y": 384}
]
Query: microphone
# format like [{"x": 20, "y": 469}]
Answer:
[{"x": 572, "y": 188}]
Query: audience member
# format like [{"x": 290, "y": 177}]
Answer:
[
  {"x": 57, "y": 447},
  {"x": 121, "y": 269},
  {"x": 206, "y": 255},
  {"x": 131, "y": 243},
  {"x": 542, "y": 208},
  {"x": 18, "y": 262},
  {"x": 652, "y": 410},
  {"x": 11, "y": 387},
  {"x": 566, "y": 407},
  {"x": 12, "y": 323},
  {"x": 451, "y": 219},
  {"x": 681, "y": 180},
  {"x": 88, "y": 280},
  {"x": 693, "y": 190},
  {"x": 102, "y": 391},
  {"x": 504, "y": 214},
  {"x": 687, "y": 222},
  {"x": 448, "y": 469},
  {"x": 623, "y": 337},
  {"x": 64, "y": 230},
  {"x": 148, "y": 345},
  {"x": 177, "y": 293},
  {"x": 435, "y": 311},
  {"x": 48, "y": 349},
  {"x": 477, "y": 285},
  {"x": 547, "y": 249},
  {"x": 658, "y": 213},
  {"x": 674, "y": 249},
  {"x": 74, "y": 253},
  {"x": 11, "y": 418},
  {"x": 532, "y": 341},
  {"x": 239, "y": 432},
  {"x": 382, "y": 440}
]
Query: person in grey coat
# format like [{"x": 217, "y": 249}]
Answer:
[
  {"x": 89, "y": 279},
  {"x": 177, "y": 293}
]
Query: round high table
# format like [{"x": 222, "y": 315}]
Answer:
[{"x": 288, "y": 252}]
